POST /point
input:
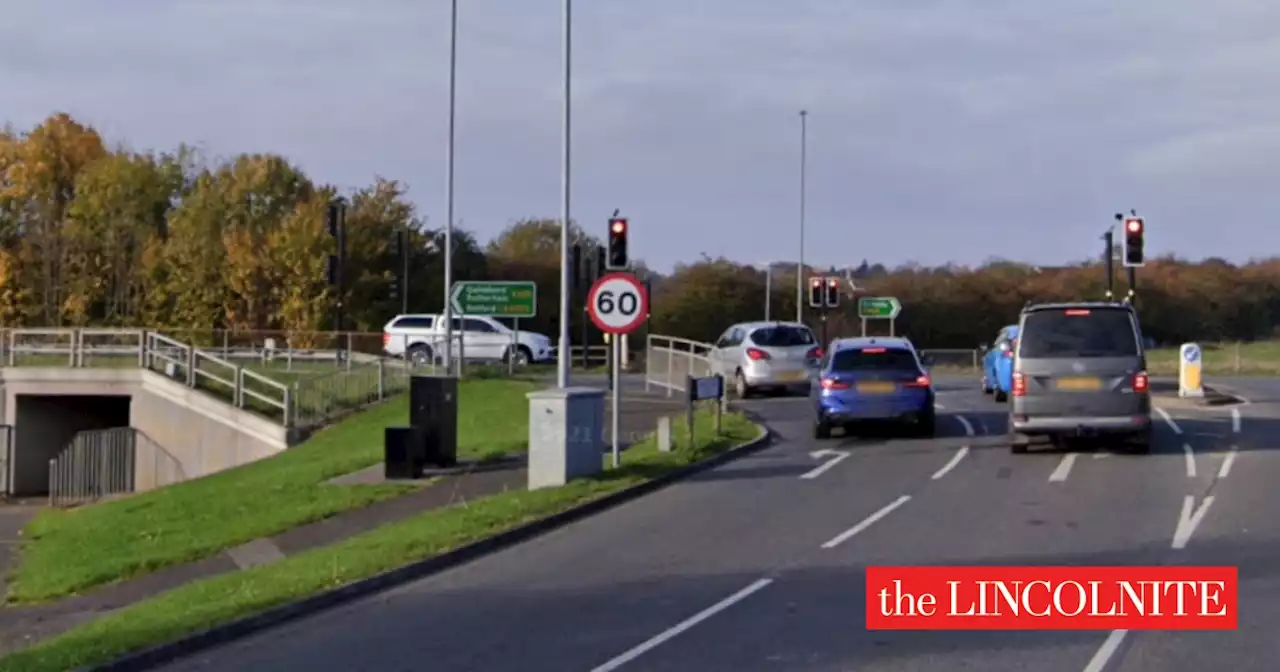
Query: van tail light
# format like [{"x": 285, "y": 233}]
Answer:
[
  {"x": 756, "y": 354},
  {"x": 814, "y": 353},
  {"x": 833, "y": 384},
  {"x": 922, "y": 381},
  {"x": 1013, "y": 345},
  {"x": 1019, "y": 385},
  {"x": 1140, "y": 382}
]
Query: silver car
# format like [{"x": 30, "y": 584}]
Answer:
[
  {"x": 1080, "y": 370},
  {"x": 766, "y": 355}
]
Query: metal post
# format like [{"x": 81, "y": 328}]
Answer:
[
  {"x": 404, "y": 272},
  {"x": 1109, "y": 239},
  {"x": 1133, "y": 285},
  {"x": 804, "y": 114},
  {"x": 768, "y": 291},
  {"x": 448, "y": 220},
  {"x": 864, "y": 327},
  {"x": 824, "y": 328},
  {"x": 615, "y": 344},
  {"x": 565, "y": 354},
  {"x": 892, "y": 321}
]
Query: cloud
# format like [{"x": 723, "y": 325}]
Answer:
[{"x": 939, "y": 130}]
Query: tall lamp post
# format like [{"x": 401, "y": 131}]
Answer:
[
  {"x": 564, "y": 355},
  {"x": 804, "y": 115},
  {"x": 448, "y": 198}
]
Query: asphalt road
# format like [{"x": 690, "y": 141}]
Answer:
[{"x": 757, "y": 565}]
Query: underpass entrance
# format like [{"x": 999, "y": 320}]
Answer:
[{"x": 46, "y": 425}]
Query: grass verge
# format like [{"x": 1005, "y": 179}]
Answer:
[
  {"x": 225, "y": 598},
  {"x": 1261, "y": 358},
  {"x": 67, "y": 551}
]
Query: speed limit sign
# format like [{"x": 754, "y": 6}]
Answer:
[{"x": 617, "y": 303}]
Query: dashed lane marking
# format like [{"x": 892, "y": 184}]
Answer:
[
  {"x": 951, "y": 464},
  {"x": 867, "y": 522},
  {"x": 1064, "y": 468},
  {"x": 1169, "y": 420}
]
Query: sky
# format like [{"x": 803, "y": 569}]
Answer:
[{"x": 938, "y": 130}]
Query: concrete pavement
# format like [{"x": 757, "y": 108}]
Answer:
[{"x": 758, "y": 565}]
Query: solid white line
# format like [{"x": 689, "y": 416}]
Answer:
[
  {"x": 1191, "y": 460},
  {"x": 867, "y": 522},
  {"x": 683, "y": 626},
  {"x": 1235, "y": 420},
  {"x": 1169, "y": 420},
  {"x": 955, "y": 459},
  {"x": 1099, "y": 661},
  {"x": 938, "y": 406},
  {"x": 822, "y": 468},
  {"x": 1189, "y": 520},
  {"x": 1099, "y": 456},
  {"x": 1227, "y": 461},
  {"x": 1064, "y": 468},
  {"x": 968, "y": 428}
]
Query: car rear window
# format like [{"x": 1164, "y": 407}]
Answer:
[
  {"x": 1078, "y": 333},
  {"x": 877, "y": 359},
  {"x": 782, "y": 337}
]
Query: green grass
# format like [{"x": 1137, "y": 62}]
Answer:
[
  {"x": 1261, "y": 358},
  {"x": 224, "y": 598},
  {"x": 68, "y": 551}
]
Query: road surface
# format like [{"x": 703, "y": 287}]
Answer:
[{"x": 757, "y": 565}]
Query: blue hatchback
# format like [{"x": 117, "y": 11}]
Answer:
[
  {"x": 872, "y": 379},
  {"x": 997, "y": 364}
]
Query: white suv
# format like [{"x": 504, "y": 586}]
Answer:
[{"x": 420, "y": 339}]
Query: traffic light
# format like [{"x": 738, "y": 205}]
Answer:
[
  {"x": 617, "y": 260},
  {"x": 1134, "y": 231},
  {"x": 833, "y": 292},
  {"x": 816, "y": 293}
]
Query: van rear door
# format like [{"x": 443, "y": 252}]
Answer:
[{"x": 1081, "y": 362}]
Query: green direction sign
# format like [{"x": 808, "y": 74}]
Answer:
[
  {"x": 495, "y": 299},
  {"x": 879, "y": 307}
]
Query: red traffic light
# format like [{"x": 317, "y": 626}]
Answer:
[
  {"x": 618, "y": 226},
  {"x": 832, "y": 282},
  {"x": 816, "y": 282},
  {"x": 1133, "y": 225}
]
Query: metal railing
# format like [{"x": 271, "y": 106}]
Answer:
[
  {"x": 669, "y": 361},
  {"x": 96, "y": 464},
  {"x": 321, "y": 398},
  {"x": 6, "y": 460}
]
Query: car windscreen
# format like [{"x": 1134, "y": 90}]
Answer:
[
  {"x": 1078, "y": 333},
  {"x": 782, "y": 336},
  {"x": 873, "y": 359}
]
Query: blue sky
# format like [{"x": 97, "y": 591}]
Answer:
[{"x": 939, "y": 130}]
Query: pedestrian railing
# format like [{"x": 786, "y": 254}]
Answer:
[
  {"x": 669, "y": 361},
  {"x": 6, "y": 461},
  {"x": 100, "y": 463}
]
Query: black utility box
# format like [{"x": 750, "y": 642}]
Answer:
[
  {"x": 404, "y": 452},
  {"x": 433, "y": 409}
]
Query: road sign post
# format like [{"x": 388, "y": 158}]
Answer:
[
  {"x": 879, "y": 308},
  {"x": 618, "y": 304},
  {"x": 1189, "y": 371}
]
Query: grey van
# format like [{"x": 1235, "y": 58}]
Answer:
[{"x": 1080, "y": 370}]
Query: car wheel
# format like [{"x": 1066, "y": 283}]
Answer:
[
  {"x": 1018, "y": 443},
  {"x": 520, "y": 357},
  {"x": 1141, "y": 444},
  {"x": 740, "y": 387},
  {"x": 986, "y": 388},
  {"x": 1001, "y": 396},
  {"x": 821, "y": 429},
  {"x": 420, "y": 355},
  {"x": 927, "y": 425}
]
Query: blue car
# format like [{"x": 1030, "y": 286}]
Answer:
[
  {"x": 872, "y": 379},
  {"x": 997, "y": 363}
]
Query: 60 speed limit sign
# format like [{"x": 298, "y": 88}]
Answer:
[{"x": 617, "y": 303}]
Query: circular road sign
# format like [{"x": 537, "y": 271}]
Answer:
[
  {"x": 617, "y": 303},
  {"x": 1191, "y": 353}
]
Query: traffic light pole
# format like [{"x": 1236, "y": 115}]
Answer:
[{"x": 1109, "y": 238}]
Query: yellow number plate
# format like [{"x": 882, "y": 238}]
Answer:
[
  {"x": 876, "y": 388},
  {"x": 792, "y": 376},
  {"x": 1079, "y": 384}
]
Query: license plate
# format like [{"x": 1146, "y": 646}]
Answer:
[
  {"x": 791, "y": 376},
  {"x": 876, "y": 388},
  {"x": 1085, "y": 383}
]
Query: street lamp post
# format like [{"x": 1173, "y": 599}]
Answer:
[
  {"x": 564, "y": 355},
  {"x": 804, "y": 114},
  {"x": 448, "y": 198}
]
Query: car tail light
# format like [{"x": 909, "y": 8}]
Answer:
[
  {"x": 386, "y": 339},
  {"x": 1013, "y": 345},
  {"x": 1019, "y": 385},
  {"x": 833, "y": 384},
  {"x": 815, "y": 353},
  {"x": 1077, "y": 312},
  {"x": 922, "y": 381},
  {"x": 757, "y": 354},
  {"x": 874, "y": 351},
  {"x": 1140, "y": 382}
]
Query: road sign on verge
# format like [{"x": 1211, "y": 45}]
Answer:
[
  {"x": 1189, "y": 371},
  {"x": 617, "y": 303},
  {"x": 495, "y": 299},
  {"x": 879, "y": 307}
]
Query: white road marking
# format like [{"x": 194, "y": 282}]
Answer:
[
  {"x": 837, "y": 456},
  {"x": 968, "y": 428},
  {"x": 1064, "y": 468},
  {"x": 1227, "y": 461},
  {"x": 1109, "y": 646},
  {"x": 682, "y": 626},
  {"x": 1099, "y": 456},
  {"x": 1191, "y": 460},
  {"x": 955, "y": 459},
  {"x": 1189, "y": 519},
  {"x": 867, "y": 522},
  {"x": 938, "y": 406},
  {"x": 1169, "y": 420},
  {"x": 1235, "y": 420}
]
